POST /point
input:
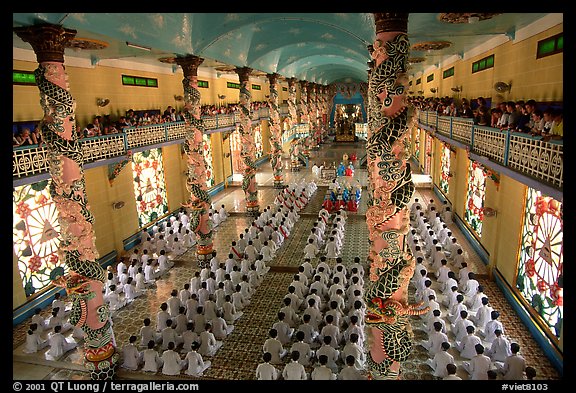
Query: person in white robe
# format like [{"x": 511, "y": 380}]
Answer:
[
  {"x": 59, "y": 344},
  {"x": 151, "y": 358},
  {"x": 195, "y": 363},
  {"x": 173, "y": 364},
  {"x": 131, "y": 356},
  {"x": 34, "y": 342},
  {"x": 440, "y": 360},
  {"x": 208, "y": 343}
]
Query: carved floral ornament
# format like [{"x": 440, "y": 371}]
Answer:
[
  {"x": 431, "y": 45},
  {"x": 86, "y": 44},
  {"x": 464, "y": 17}
]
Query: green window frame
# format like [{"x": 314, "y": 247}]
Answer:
[
  {"x": 483, "y": 64},
  {"x": 550, "y": 46},
  {"x": 25, "y": 78},
  {"x": 204, "y": 84},
  {"x": 139, "y": 81},
  {"x": 418, "y": 81},
  {"x": 430, "y": 78},
  {"x": 256, "y": 87},
  {"x": 233, "y": 85},
  {"x": 448, "y": 73}
]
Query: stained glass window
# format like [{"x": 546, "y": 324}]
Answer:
[
  {"x": 258, "y": 142},
  {"x": 208, "y": 160},
  {"x": 149, "y": 186},
  {"x": 474, "y": 214},
  {"x": 417, "y": 145},
  {"x": 541, "y": 257},
  {"x": 235, "y": 149},
  {"x": 36, "y": 236},
  {"x": 445, "y": 169},
  {"x": 428, "y": 158}
]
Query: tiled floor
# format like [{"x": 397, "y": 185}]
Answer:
[{"x": 241, "y": 352}]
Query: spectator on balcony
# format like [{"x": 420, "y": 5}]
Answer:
[
  {"x": 496, "y": 117},
  {"x": 131, "y": 116},
  {"x": 23, "y": 138},
  {"x": 97, "y": 122},
  {"x": 557, "y": 131},
  {"x": 538, "y": 123},
  {"x": 122, "y": 123},
  {"x": 513, "y": 115},
  {"x": 36, "y": 136},
  {"x": 481, "y": 102},
  {"x": 523, "y": 120},
  {"x": 530, "y": 108},
  {"x": 548, "y": 116},
  {"x": 89, "y": 131},
  {"x": 466, "y": 111},
  {"x": 483, "y": 117}
]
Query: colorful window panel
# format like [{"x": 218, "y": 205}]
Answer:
[
  {"x": 417, "y": 145},
  {"x": 208, "y": 160},
  {"x": 474, "y": 214},
  {"x": 445, "y": 169},
  {"x": 541, "y": 257},
  {"x": 258, "y": 142},
  {"x": 36, "y": 236},
  {"x": 149, "y": 186},
  {"x": 428, "y": 158},
  {"x": 235, "y": 149}
]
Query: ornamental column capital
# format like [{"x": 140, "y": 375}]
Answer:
[
  {"x": 243, "y": 73},
  {"x": 47, "y": 40},
  {"x": 189, "y": 64}
]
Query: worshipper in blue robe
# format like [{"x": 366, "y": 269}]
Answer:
[{"x": 341, "y": 170}]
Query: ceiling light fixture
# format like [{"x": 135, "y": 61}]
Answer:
[{"x": 136, "y": 46}]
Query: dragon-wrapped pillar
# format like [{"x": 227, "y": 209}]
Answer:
[
  {"x": 391, "y": 264},
  {"x": 275, "y": 133},
  {"x": 85, "y": 278},
  {"x": 292, "y": 107},
  {"x": 248, "y": 152},
  {"x": 199, "y": 202}
]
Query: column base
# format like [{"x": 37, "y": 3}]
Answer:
[
  {"x": 203, "y": 259},
  {"x": 253, "y": 211}
]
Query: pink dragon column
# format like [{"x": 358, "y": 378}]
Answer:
[
  {"x": 292, "y": 108},
  {"x": 85, "y": 279},
  {"x": 200, "y": 201},
  {"x": 248, "y": 152},
  {"x": 275, "y": 133},
  {"x": 391, "y": 264},
  {"x": 315, "y": 114}
]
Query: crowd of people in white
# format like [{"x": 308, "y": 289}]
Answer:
[
  {"x": 320, "y": 327},
  {"x": 463, "y": 328},
  {"x": 319, "y": 334},
  {"x": 194, "y": 322}
]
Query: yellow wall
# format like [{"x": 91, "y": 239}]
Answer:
[
  {"x": 265, "y": 130},
  {"x": 515, "y": 63},
  {"x": 105, "y": 82},
  {"x": 18, "y": 294},
  {"x": 509, "y": 217},
  {"x": 174, "y": 176}
]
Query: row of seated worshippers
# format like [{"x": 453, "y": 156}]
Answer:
[
  {"x": 131, "y": 281},
  {"x": 462, "y": 326},
  {"x": 326, "y": 237},
  {"x": 193, "y": 322},
  {"x": 55, "y": 334},
  {"x": 319, "y": 333}
]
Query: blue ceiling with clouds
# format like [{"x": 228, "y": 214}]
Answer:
[{"x": 316, "y": 47}]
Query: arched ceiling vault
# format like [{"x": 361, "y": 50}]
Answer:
[{"x": 310, "y": 46}]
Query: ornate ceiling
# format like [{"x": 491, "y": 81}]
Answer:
[{"x": 320, "y": 48}]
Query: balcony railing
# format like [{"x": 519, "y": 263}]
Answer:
[
  {"x": 532, "y": 156},
  {"x": 33, "y": 160}
]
